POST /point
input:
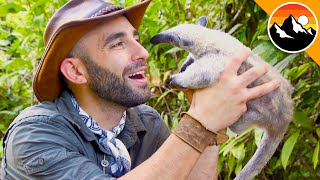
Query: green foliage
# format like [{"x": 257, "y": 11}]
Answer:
[
  {"x": 246, "y": 21},
  {"x": 22, "y": 23},
  {"x": 287, "y": 148}
]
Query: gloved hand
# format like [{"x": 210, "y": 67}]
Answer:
[{"x": 220, "y": 105}]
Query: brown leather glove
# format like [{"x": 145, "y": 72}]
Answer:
[{"x": 193, "y": 133}]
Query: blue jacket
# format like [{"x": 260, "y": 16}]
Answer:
[{"x": 50, "y": 141}]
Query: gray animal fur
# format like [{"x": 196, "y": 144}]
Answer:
[{"x": 209, "y": 51}]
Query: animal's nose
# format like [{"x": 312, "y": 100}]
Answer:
[
  {"x": 157, "y": 39},
  {"x": 175, "y": 84}
]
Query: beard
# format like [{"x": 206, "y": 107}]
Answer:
[{"x": 110, "y": 87}]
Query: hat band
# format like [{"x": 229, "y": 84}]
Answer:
[{"x": 107, "y": 10}]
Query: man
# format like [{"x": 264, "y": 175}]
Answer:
[{"x": 90, "y": 123}]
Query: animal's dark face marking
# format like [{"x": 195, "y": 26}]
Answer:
[
  {"x": 164, "y": 38},
  {"x": 171, "y": 38},
  {"x": 187, "y": 63}
]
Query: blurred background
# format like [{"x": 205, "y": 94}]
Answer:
[{"x": 22, "y": 23}]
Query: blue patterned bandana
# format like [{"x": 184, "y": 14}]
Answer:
[{"x": 120, "y": 162}]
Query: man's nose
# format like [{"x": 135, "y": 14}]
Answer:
[{"x": 139, "y": 52}]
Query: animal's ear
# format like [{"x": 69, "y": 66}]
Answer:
[{"x": 203, "y": 21}]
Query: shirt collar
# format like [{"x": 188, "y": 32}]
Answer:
[
  {"x": 128, "y": 136},
  {"x": 133, "y": 127},
  {"x": 92, "y": 123}
]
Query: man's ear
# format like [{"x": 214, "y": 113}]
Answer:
[
  {"x": 73, "y": 70},
  {"x": 203, "y": 21}
]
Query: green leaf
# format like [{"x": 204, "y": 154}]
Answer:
[
  {"x": 234, "y": 28},
  {"x": 175, "y": 122},
  {"x": 265, "y": 37},
  {"x": 154, "y": 71},
  {"x": 318, "y": 132},
  {"x": 231, "y": 164},
  {"x": 4, "y": 42},
  {"x": 4, "y": 112},
  {"x": 166, "y": 120},
  {"x": 162, "y": 96},
  {"x": 238, "y": 151},
  {"x": 181, "y": 96},
  {"x": 225, "y": 149},
  {"x": 173, "y": 50},
  {"x": 296, "y": 72},
  {"x": 221, "y": 161},
  {"x": 238, "y": 168},
  {"x": 285, "y": 62},
  {"x": 172, "y": 63},
  {"x": 10, "y": 8},
  {"x": 301, "y": 119},
  {"x": 257, "y": 136},
  {"x": 315, "y": 156},
  {"x": 288, "y": 147},
  {"x": 166, "y": 76},
  {"x": 268, "y": 52}
]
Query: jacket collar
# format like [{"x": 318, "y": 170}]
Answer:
[{"x": 128, "y": 136}]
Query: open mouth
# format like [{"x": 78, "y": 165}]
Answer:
[{"x": 138, "y": 75}]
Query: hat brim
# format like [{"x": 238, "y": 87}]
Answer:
[{"x": 47, "y": 84}]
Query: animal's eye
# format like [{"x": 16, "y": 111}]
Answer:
[{"x": 187, "y": 43}]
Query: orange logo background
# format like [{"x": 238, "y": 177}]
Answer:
[{"x": 296, "y": 11}]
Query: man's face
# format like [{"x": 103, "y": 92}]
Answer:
[{"x": 116, "y": 63}]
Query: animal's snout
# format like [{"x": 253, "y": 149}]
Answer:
[
  {"x": 171, "y": 80},
  {"x": 156, "y": 39},
  {"x": 165, "y": 38},
  {"x": 174, "y": 82}
]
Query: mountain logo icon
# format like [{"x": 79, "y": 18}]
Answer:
[{"x": 292, "y": 27}]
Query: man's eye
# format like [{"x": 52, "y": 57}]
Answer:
[{"x": 117, "y": 44}]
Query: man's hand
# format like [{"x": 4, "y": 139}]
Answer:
[{"x": 220, "y": 105}]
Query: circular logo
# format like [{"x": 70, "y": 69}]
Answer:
[{"x": 292, "y": 27}]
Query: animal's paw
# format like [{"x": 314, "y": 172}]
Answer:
[{"x": 177, "y": 81}]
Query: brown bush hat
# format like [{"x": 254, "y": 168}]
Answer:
[{"x": 64, "y": 30}]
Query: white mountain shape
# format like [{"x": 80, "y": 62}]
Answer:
[
  {"x": 297, "y": 27},
  {"x": 281, "y": 32},
  {"x": 309, "y": 31}
]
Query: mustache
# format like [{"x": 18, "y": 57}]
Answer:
[{"x": 133, "y": 66}]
